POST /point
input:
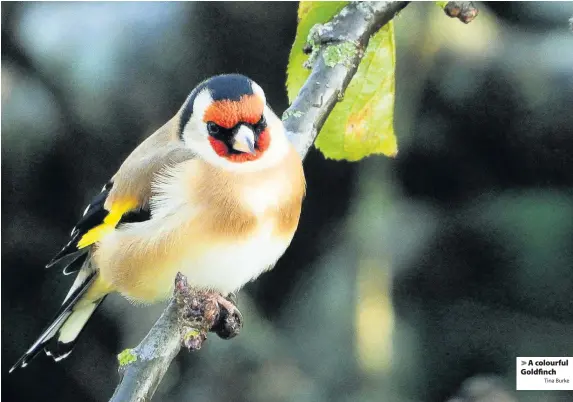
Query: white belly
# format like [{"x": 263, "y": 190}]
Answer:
[{"x": 226, "y": 268}]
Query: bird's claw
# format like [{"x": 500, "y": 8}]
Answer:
[
  {"x": 201, "y": 311},
  {"x": 230, "y": 320}
]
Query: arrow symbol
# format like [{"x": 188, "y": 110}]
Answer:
[{"x": 523, "y": 363}]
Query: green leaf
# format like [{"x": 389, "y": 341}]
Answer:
[
  {"x": 441, "y": 4},
  {"x": 361, "y": 124}
]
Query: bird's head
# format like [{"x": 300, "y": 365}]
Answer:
[{"x": 227, "y": 122}]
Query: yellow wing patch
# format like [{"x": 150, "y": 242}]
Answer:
[{"x": 109, "y": 223}]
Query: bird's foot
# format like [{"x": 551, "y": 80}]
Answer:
[
  {"x": 230, "y": 319},
  {"x": 201, "y": 311}
]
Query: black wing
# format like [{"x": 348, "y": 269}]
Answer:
[{"x": 71, "y": 257}]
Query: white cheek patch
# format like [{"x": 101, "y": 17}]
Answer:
[
  {"x": 195, "y": 129},
  {"x": 259, "y": 91},
  {"x": 202, "y": 101}
]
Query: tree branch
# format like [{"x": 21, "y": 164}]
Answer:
[
  {"x": 326, "y": 84},
  {"x": 191, "y": 314},
  {"x": 185, "y": 321},
  {"x": 143, "y": 368}
]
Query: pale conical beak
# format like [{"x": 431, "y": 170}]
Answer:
[{"x": 244, "y": 140}]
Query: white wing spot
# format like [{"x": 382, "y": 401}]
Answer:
[{"x": 57, "y": 359}]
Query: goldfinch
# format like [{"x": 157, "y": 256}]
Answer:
[{"x": 215, "y": 194}]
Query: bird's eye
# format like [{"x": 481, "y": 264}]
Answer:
[
  {"x": 261, "y": 125},
  {"x": 212, "y": 128}
]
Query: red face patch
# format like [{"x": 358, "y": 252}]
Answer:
[
  {"x": 227, "y": 113},
  {"x": 261, "y": 146}
]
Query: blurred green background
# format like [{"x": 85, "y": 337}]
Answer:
[{"x": 419, "y": 278}]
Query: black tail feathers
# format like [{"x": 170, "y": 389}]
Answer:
[{"x": 59, "y": 338}]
